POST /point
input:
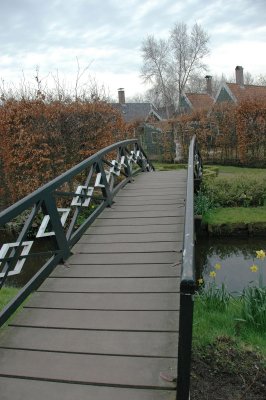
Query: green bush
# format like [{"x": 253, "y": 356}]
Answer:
[
  {"x": 202, "y": 203},
  {"x": 243, "y": 192}
]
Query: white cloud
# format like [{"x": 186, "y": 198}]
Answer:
[
  {"x": 107, "y": 36},
  {"x": 226, "y": 57}
]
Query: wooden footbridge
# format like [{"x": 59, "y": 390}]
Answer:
[{"x": 114, "y": 319}]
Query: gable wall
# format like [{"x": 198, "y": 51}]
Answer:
[
  {"x": 223, "y": 96},
  {"x": 184, "y": 106}
]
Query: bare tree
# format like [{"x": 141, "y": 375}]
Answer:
[
  {"x": 197, "y": 83},
  {"x": 168, "y": 64},
  {"x": 155, "y": 55},
  {"x": 249, "y": 79},
  {"x": 261, "y": 80},
  {"x": 189, "y": 49}
]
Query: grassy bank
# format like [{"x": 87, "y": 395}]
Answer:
[
  {"x": 229, "y": 344},
  {"x": 210, "y": 324},
  {"x": 6, "y": 294},
  {"x": 235, "y": 215},
  {"x": 234, "y": 196},
  {"x": 230, "y": 171},
  {"x": 228, "y": 358},
  {"x": 168, "y": 167}
]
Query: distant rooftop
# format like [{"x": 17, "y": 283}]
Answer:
[
  {"x": 200, "y": 101},
  {"x": 135, "y": 111},
  {"x": 247, "y": 92}
]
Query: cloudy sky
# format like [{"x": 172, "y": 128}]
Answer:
[{"x": 106, "y": 35}]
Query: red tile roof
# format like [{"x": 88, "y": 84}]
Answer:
[
  {"x": 247, "y": 92},
  {"x": 200, "y": 101}
]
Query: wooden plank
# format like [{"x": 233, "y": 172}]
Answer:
[
  {"x": 122, "y": 258},
  {"x": 125, "y": 230},
  {"x": 105, "y": 301},
  {"x": 130, "y": 238},
  {"x": 145, "y": 344},
  {"x": 178, "y": 185},
  {"x": 165, "y": 321},
  {"x": 20, "y": 389},
  {"x": 112, "y": 271},
  {"x": 111, "y": 285},
  {"x": 147, "y": 192},
  {"x": 145, "y": 207},
  {"x": 157, "y": 247},
  {"x": 84, "y": 368},
  {"x": 147, "y": 200},
  {"x": 108, "y": 318},
  {"x": 162, "y": 175},
  {"x": 139, "y": 221},
  {"x": 141, "y": 214}
]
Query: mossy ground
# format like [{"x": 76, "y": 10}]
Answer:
[
  {"x": 6, "y": 294},
  {"x": 235, "y": 215},
  {"x": 228, "y": 359},
  {"x": 224, "y": 371},
  {"x": 236, "y": 221}
]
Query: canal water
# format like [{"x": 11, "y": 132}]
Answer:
[
  {"x": 235, "y": 256},
  {"x": 32, "y": 265}
]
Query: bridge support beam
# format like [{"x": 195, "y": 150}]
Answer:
[{"x": 184, "y": 345}]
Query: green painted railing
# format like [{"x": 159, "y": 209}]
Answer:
[
  {"x": 62, "y": 210},
  {"x": 188, "y": 278}
]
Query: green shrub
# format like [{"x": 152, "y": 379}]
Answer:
[
  {"x": 243, "y": 192},
  {"x": 202, "y": 203}
]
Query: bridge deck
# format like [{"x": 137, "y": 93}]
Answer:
[{"x": 105, "y": 325}]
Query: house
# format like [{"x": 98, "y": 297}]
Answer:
[
  {"x": 151, "y": 128},
  {"x": 197, "y": 101},
  {"x": 131, "y": 112},
  {"x": 238, "y": 91}
]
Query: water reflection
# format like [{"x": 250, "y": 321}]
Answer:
[
  {"x": 235, "y": 256},
  {"x": 34, "y": 262}
]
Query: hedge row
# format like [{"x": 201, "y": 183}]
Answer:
[
  {"x": 228, "y": 134},
  {"x": 41, "y": 140}
]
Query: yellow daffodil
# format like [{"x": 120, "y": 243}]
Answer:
[
  {"x": 253, "y": 268},
  {"x": 260, "y": 254},
  {"x": 200, "y": 281},
  {"x": 217, "y": 266},
  {"x": 212, "y": 274}
]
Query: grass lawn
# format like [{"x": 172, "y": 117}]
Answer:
[
  {"x": 6, "y": 294},
  {"x": 167, "y": 167},
  {"x": 231, "y": 215},
  {"x": 223, "y": 170},
  {"x": 208, "y": 325},
  {"x": 230, "y": 171}
]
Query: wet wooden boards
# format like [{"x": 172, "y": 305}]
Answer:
[{"x": 105, "y": 325}]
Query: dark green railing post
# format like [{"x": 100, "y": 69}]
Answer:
[
  {"x": 60, "y": 235},
  {"x": 128, "y": 169},
  {"x": 188, "y": 276},
  {"x": 184, "y": 345},
  {"x": 106, "y": 186}
]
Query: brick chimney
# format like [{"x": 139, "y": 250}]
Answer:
[
  {"x": 239, "y": 76},
  {"x": 121, "y": 96},
  {"x": 209, "y": 84}
]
